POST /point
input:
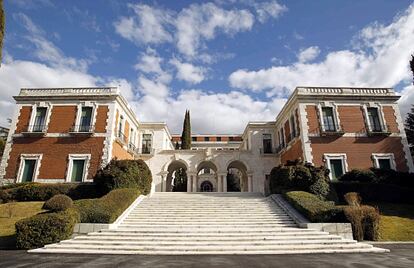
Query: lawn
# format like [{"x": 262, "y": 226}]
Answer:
[
  {"x": 397, "y": 222},
  {"x": 10, "y": 213}
]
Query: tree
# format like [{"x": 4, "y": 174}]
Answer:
[
  {"x": 186, "y": 135},
  {"x": 412, "y": 66},
  {"x": 409, "y": 129},
  {"x": 2, "y": 145},
  {"x": 180, "y": 180},
  {"x": 2, "y": 26}
]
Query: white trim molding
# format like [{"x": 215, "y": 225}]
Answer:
[
  {"x": 404, "y": 141},
  {"x": 380, "y": 156},
  {"x": 48, "y": 107},
  {"x": 79, "y": 107},
  {"x": 71, "y": 157},
  {"x": 304, "y": 133},
  {"x": 23, "y": 158},
  {"x": 327, "y": 157}
]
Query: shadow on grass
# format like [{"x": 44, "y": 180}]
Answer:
[
  {"x": 8, "y": 242},
  {"x": 395, "y": 209}
]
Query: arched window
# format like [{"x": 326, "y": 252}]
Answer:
[{"x": 206, "y": 186}]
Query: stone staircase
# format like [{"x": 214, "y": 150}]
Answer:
[{"x": 207, "y": 223}]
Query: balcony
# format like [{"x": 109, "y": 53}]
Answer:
[
  {"x": 268, "y": 151},
  {"x": 35, "y": 130},
  {"x": 82, "y": 130},
  {"x": 379, "y": 131},
  {"x": 121, "y": 138},
  {"x": 145, "y": 151}
]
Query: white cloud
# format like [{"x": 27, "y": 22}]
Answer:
[
  {"x": 379, "y": 58},
  {"x": 148, "y": 26},
  {"x": 270, "y": 9},
  {"x": 188, "y": 72},
  {"x": 149, "y": 62},
  {"x": 308, "y": 54},
  {"x": 202, "y": 22}
]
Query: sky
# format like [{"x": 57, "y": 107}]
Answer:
[{"x": 229, "y": 62}]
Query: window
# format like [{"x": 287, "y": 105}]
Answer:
[
  {"x": 374, "y": 120},
  {"x": 194, "y": 138},
  {"x": 282, "y": 138},
  {"x": 267, "y": 143},
  {"x": 77, "y": 170},
  {"x": 206, "y": 138},
  {"x": 218, "y": 138},
  {"x": 231, "y": 138},
  {"x": 121, "y": 128},
  {"x": 337, "y": 165},
  {"x": 146, "y": 143},
  {"x": 292, "y": 126},
  {"x": 328, "y": 119},
  {"x": 85, "y": 119},
  {"x": 40, "y": 119},
  {"x": 384, "y": 161},
  {"x": 29, "y": 165}
]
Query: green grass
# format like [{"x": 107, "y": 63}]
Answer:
[
  {"x": 10, "y": 213},
  {"x": 397, "y": 222}
]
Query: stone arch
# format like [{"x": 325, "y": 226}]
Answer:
[
  {"x": 206, "y": 174},
  {"x": 172, "y": 168},
  {"x": 237, "y": 176}
]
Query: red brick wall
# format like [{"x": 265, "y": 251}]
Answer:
[
  {"x": 119, "y": 152},
  {"x": 55, "y": 154},
  {"x": 312, "y": 115},
  {"x": 62, "y": 119},
  {"x": 287, "y": 131},
  {"x": 293, "y": 153},
  {"x": 358, "y": 150},
  {"x": 101, "y": 117},
  {"x": 352, "y": 119},
  {"x": 24, "y": 119},
  {"x": 390, "y": 119}
]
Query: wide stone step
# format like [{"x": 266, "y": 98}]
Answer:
[
  {"x": 206, "y": 243},
  {"x": 191, "y": 218},
  {"x": 205, "y": 221},
  {"x": 206, "y": 226},
  {"x": 268, "y": 230}
]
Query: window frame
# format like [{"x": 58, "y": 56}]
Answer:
[
  {"x": 23, "y": 158},
  {"x": 33, "y": 116},
  {"x": 381, "y": 156},
  {"x": 380, "y": 116},
  {"x": 335, "y": 156},
  {"x": 337, "y": 121},
  {"x": 79, "y": 115},
  {"x": 71, "y": 157}
]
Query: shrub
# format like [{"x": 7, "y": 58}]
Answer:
[
  {"x": 364, "y": 221},
  {"x": 59, "y": 202},
  {"x": 389, "y": 176},
  {"x": 47, "y": 228},
  {"x": 4, "y": 196},
  {"x": 124, "y": 174},
  {"x": 15, "y": 185},
  {"x": 107, "y": 208},
  {"x": 302, "y": 177},
  {"x": 313, "y": 208},
  {"x": 358, "y": 175},
  {"x": 43, "y": 192},
  {"x": 353, "y": 199}
]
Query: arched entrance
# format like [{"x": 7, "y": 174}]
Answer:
[
  {"x": 237, "y": 180},
  {"x": 207, "y": 177},
  {"x": 206, "y": 186},
  {"x": 177, "y": 177}
]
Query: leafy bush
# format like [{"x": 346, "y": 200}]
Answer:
[
  {"x": 44, "y": 191},
  {"x": 4, "y": 196},
  {"x": 107, "y": 208},
  {"x": 15, "y": 185},
  {"x": 389, "y": 176},
  {"x": 302, "y": 177},
  {"x": 376, "y": 192},
  {"x": 313, "y": 208},
  {"x": 59, "y": 202},
  {"x": 46, "y": 228},
  {"x": 364, "y": 221},
  {"x": 124, "y": 174},
  {"x": 358, "y": 175}
]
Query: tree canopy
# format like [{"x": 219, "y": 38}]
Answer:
[{"x": 186, "y": 135}]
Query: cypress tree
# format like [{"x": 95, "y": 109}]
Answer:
[
  {"x": 409, "y": 121},
  {"x": 186, "y": 135},
  {"x": 412, "y": 66},
  {"x": 2, "y": 26}
]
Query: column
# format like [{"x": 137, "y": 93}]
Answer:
[
  {"x": 224, "y": 179},
  {"x": 249, "y": 183},
  {"x": 193, "y": 177},
  {"x": 163, "y": 183},
  {"x": 219, "y": 184},
  {"x": 189, "y": 183}
]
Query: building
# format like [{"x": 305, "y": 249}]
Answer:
[{"x": 67, "y": 134}]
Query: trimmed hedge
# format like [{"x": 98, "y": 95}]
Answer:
[
  {"x": 47, "y": 228},
  {"x": 313, "y": 208},
  {"x": 45, "y": 191},
  {"x": 358, "y": 175},
  {"x": 107, "y": 208},
  {"x": 364, "y": 221},
  {"x": 379, "y": 176},
  {"x": 59, "y": 202},
  {"x": 302, "y": 177},
  {"x": 376, "y": 192},
  {"x": 124, "y": 174}
]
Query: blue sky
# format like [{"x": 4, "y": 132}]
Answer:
[{"x": 229, "y": 62}]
